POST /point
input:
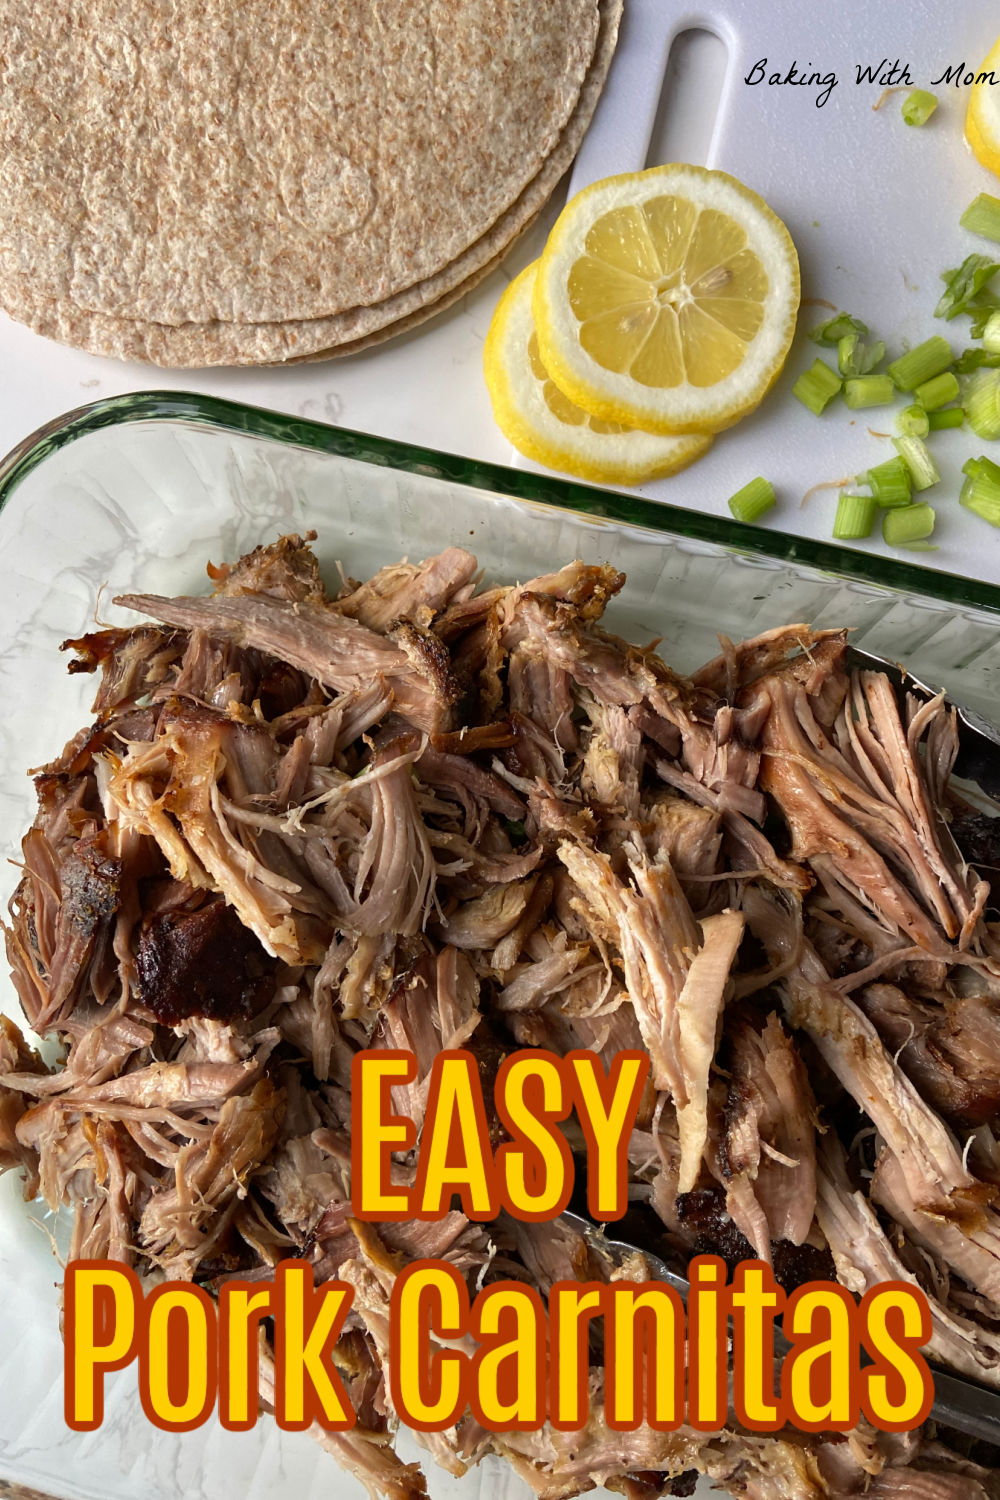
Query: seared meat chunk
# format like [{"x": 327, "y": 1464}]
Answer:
[{"x": 202, "y": 963}]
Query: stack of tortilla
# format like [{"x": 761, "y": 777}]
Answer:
[{"x": 242, "y": 182}]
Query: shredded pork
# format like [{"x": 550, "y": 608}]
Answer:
[{"x": 422, "y": 814}]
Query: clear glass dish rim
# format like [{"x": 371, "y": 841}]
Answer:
[{"x": 586, "y": 501}]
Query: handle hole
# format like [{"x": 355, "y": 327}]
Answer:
[{"x": 689, "y": 100}]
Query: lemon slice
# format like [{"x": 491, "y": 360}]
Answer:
[
  {"x": 543, "y": 424},
  {"x": 667, "y": 299},
  {"x": 982, "y": 120}
]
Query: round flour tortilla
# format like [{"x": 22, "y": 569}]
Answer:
[
  {"x": 270, "y": 160},
  {"x": 197, "y": 345}
]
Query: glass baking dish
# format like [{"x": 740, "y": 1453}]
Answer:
[{"x": 140, "y": 492}]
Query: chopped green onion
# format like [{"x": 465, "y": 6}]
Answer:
[
  {"x": 991, "y": 334},
  {"x": 854, "y": 519},
  {"x": 962, "y": 285},
  {"x": 951, "y": 416},
  {"x": 937, "y": 392},
  {"x": 913, "y": 421},
  {"x": 980, "y": 310},
  {"x": 919, "y": 106},
  {"x": 868, "y": 390},
  {"x": 975, "y": 359},
  {"x": 982, "y": 403},
  {"x": 836, "y": 328},
  {"x": 981, "y": 495},
  {"x": 817, "y": 386},
  {"x": 975, "y": 467},
  {"x": 923, "y": 470},
  {"x": 753, "y": 500},
  {"x": 928, "y": 359},
  {"x": 908, "y": 523},
  {"x": 890, "y": 483},
  {"x": 983, "y": 217},
  {"x": 857, "y": 355}
]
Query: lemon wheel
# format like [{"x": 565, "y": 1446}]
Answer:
[
  {"x": 545, "y": 425},
  {"x": 667, "y": 299},
  {"x": 982, "y": 121}
]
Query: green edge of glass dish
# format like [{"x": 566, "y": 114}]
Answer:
[{"x": 595, "y": 504}]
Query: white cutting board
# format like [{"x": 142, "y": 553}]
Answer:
[{"x": 872, "y": 205}]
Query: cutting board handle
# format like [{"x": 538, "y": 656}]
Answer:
[{"x": 621, "y": 131}]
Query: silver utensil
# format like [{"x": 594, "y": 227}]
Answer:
[{"x": 959, "y": 1403}]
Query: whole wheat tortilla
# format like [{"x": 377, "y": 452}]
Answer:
[
  {"x": 222, "y": 343},
  {"x": 269, "y": 160},
  {"x": 205, "y": 345},
  {"x": 401, "y": 325}
]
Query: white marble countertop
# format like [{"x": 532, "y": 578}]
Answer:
[{"x": 872, "y": 205}]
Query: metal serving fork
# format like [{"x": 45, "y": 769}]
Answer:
[{"x": 958, "y": 1403}]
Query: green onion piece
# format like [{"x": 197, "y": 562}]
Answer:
[
  {"x": 857, "y": 355},
  {"x": 983, "y": 217},
  {"x": 854, "y": 519},
  {"x": 982, "y": 403},
  {"x": 908, "y": 523},
  {"x": 937, "y": 392},
  {"x": 928, "y": 359},
  {"x": 869, "y": 390},
  {"x": 980, "y": 310},
  {"x": 923, "y": 470},
  {"x": 964, "y": 284},
  {"x": 817, "y": 386},
  {"x": 981, "y": 495},
  {"x": 913, "y": 421},
  {"x": 836, "y": 328},
  {"x": 752, "y": 501},
  {"x": 975, "y": 359},
  {"x": 983, "y": 466},
  {"x": 991, "y": 333},
  {"x": 951, "y": 416},
  {"x": 890, "y": 483},
  {"x": 919, "y": 106}
]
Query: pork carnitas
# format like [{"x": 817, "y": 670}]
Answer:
[{"x": 424, "y": 813}]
